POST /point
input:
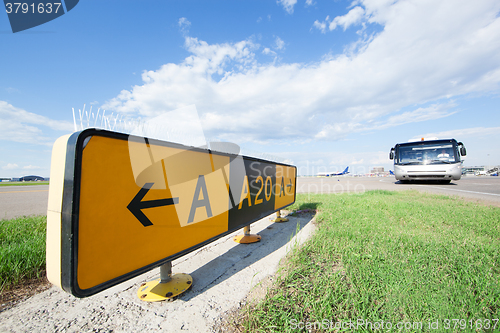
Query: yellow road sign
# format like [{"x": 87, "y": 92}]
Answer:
[{"x": 120, "y": 205}]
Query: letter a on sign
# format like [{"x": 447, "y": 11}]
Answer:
[
  {"x": 245, "y": 193},
  {"x": 201, "y": 188}
]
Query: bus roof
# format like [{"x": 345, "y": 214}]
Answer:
[{"x": 426, "y": 142}]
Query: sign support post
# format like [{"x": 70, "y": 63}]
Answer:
[
  {"x": 279, "y": 218},
  {"x": 246, "y": 238},
  {"x": 166, "y": 287}
]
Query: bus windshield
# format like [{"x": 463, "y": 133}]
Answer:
[{"x": 432, "y": 153}]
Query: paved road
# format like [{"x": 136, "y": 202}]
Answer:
[
  {"x": 23, "y": 200},
  {"x": 32, "y": 200},
  {"x": 484, "y": 189}
]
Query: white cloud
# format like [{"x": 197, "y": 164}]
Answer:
[
  {"x": 321, "y": 26},
  {"x": 31, "y": 167},
  {"x": 354, "y": 16},
  {"x": 279, "y": 44},
  {"x": 268, "y": 51},
  {"x": 427, "y": 53},
  {"x": 432, "y": 112},
  {"x": 10, "y": 166},
  {"x": 309, "y": 3},
  {"x": 184, "y": 25},
  {"x": 475, "y": 132},
  {"x": 287, "y": 4},
  {"x": 341, "y": 129},
  {"x": 435, "y": 111},
  {"x": 19, "y": 125}
]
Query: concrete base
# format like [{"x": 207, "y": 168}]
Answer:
[{"x": 224, "y": 272}]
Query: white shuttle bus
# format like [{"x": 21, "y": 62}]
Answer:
[{"x": 428, "y": 160}]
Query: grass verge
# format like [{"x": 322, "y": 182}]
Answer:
[
  {"x": 22, "y": 183},
  {"x": 405, "y": 258},
  {"x": 22, "y": 249}
]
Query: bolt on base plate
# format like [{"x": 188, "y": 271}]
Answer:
[{"x": 154, "y": 291}]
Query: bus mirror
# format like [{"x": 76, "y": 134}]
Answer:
[
  {"x": 463, "y": 152},
  {"x": 391, "y": 154}
]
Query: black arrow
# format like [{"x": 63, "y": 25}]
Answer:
[{"x": 137, "y": 205}]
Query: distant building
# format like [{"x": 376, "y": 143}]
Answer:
[
  {"x": 31, "y": 179},
  {"x": 472, "y": 169},
  {"x": 377, "y": 170}
]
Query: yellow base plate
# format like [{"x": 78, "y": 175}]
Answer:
[
  {"x": 280, "y": 219},
  {"x": 246, "y": 239},
  {"x": 154, "y": 291}
]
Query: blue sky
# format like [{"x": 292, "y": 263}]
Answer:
[{"x": 321, "y": 84}]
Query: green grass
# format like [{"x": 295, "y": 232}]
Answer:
[
  {"x": 388, "y": 256},
  {"x": 22, "y": 183},
  {"x": 22, "y": 249}
]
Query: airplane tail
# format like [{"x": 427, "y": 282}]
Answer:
[{"x": 345, "y": 171}]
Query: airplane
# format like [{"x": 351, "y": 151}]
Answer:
[
  {"x": 391, "y": 172},
  {"x": 330, "y": 174}
]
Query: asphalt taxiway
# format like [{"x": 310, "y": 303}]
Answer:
[
  {"x": 23, "y": 200},
  {"x": 481, "y": 189},
  {"x": 32, "y": 200}
]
